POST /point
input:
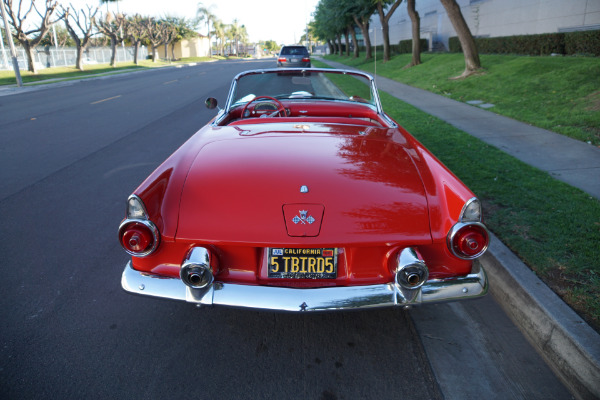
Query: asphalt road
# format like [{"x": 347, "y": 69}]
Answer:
[{"x": 69, "y": 157}]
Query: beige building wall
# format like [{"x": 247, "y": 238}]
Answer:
[{"x": 196, "y": 47}]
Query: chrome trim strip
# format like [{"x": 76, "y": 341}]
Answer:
[{"x": 294, "y": 300}]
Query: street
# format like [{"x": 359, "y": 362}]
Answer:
[{"x": 70, "y": 155}]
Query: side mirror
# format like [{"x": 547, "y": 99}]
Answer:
[{"x": 211, "y": 103}]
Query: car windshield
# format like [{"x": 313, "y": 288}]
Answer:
[{"x": 308, "y": 84}]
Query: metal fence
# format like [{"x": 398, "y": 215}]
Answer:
[{"x": 45, "y": 57}]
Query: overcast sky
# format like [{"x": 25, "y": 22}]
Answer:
[{"x": 281, "y": 20}]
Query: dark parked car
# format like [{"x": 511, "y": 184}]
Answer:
[{"x": 293, "y": 57}]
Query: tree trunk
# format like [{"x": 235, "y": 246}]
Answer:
[
  {"x": 385, "y": 26},
  {"x": 154, "y": 53},
  {"x": 385, "y": 30},
  {"x": 79, "y": 60},
  {"x": 136, "y": 46},
  {"x": 331, "y": 49},
  {"x": 29, "y": 53},
  {"x": 339, "y": 42},
  {"x": 173, "y": 51},
  {"x": 363, "y": 24},
  {"x": 472, "y": 63},
  {"x": 113, "y": 52},
  {"x": 368, "y": 47},
  {"x": 347, "y": 37},
  {"x": 416, "y": 33},
  {"x": 354, "y": 42}
]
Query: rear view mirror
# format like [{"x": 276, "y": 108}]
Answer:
[{"x": 211, "y": 103}]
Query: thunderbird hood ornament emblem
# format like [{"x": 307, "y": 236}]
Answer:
[{"x": 304, "y": 218}]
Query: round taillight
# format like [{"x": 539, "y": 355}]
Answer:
[
  {"x": 468, "y": 241},
  {"x": 138, "y": 238}
]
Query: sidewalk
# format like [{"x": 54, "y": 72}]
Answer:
[{"x": 565, "y": 341}]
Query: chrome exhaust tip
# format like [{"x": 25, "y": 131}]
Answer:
[
  {"x": 412, "y": 272},
  {"x": 196, "y": 271}
]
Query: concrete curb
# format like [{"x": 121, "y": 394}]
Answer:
[{"x": 567, "y": 343}]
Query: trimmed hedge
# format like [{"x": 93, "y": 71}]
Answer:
[
  {"x": 583, "y": 42},
  {"x": 568, "y": 43},
  {"x": 405, "y": 46}
]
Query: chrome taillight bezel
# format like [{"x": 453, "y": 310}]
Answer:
[
  {"x": 151, "y": 227},
  {"x": 455, "y": 231},
  {"x": 136, "y": 214}
]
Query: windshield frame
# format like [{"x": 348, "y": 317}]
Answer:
[{"x": 229, "y": 105}]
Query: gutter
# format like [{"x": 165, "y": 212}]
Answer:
[{"x": 565, "y": 341}]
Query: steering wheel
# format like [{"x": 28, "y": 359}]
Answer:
[{"x": 280, "y": 108}]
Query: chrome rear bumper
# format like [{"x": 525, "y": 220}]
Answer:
[{"x": 314, "y": 299}]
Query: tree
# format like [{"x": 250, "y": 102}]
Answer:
[
  {"x": 219, "y": 31},
  {"x": 243, "y": 37},
  {"x": 63, "y": 39},
  {"x": 236, "y": 31},
  {"x": 80, "y": 25},
  {"x": 136, "y": 33},
  {"x": 361, "y": 11},
  {"x": 155, "y": 33},
  {"x": 183, "y": 29},
  {"x": 347, "y": 39},
  {"x": 169, "y": 26},
  {"x": 24, "y": 35},
  {"x": 205, "y": 14},
  {"x": 330, "y": 23},
  {"x": 354, "y": 41},
  {"x": 416, "y": 33},
  {"x": 112, "y": 27},
  {"x": 472, "y": 63},
  {"x": 385, "y": 26},
  {"x": 271, "y": 46}
]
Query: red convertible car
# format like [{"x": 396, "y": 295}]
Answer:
[{"x": 303, "y": 195}]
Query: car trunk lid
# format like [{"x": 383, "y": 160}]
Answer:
[{"x": 359, "y": 189}]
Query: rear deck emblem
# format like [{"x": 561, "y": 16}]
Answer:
[
  {"x": 303, "y": 189},
  {"x": 303, "y": 218}
]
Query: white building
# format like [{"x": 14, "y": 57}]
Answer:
[{"x": 491, "y": 18}]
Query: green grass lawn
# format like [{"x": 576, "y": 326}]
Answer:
[
  {"x": 561, "y": 94},
  {"x": 553, "y": 227}
]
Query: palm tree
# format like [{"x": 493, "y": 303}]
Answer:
[
  {"x": 243, "y": 37},
  {"x": 205, "y": 14},
  {"x": 231, "y": 32},
  {"x": 219, "y": 31}
]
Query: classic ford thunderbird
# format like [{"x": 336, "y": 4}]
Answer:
[{"x": 302, "y": 194}]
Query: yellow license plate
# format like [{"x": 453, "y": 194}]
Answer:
[{"x": 302, "y": 263}]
